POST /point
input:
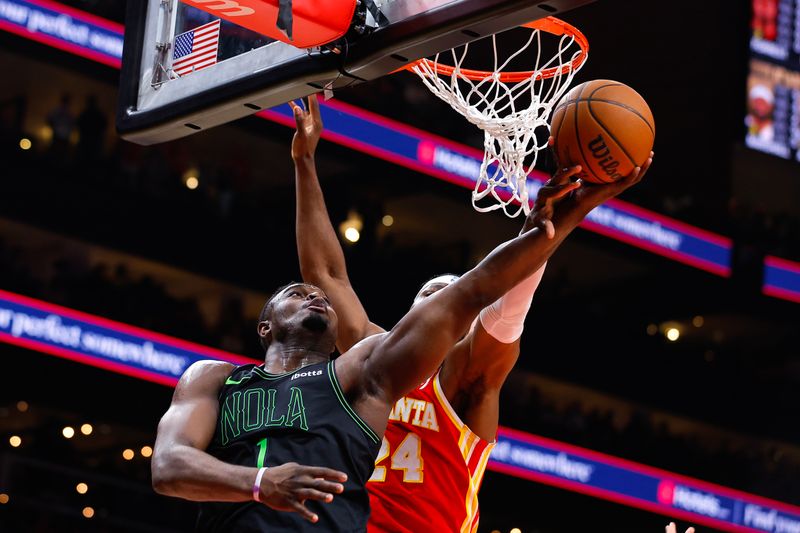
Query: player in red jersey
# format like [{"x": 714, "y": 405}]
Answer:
[{"x": 437, "y": 443}]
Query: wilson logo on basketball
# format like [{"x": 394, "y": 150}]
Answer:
[
  {"x": 604, "y": 126},
  {"x": 604, "y": 158},
  {"x": 229, "y": 8}
]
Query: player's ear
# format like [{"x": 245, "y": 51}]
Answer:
[{"x": 265, "y": 331}]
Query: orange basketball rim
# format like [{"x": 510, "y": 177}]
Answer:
[
  {"x": 549, "y": 25},
  {"x": 489, "y": 100}
]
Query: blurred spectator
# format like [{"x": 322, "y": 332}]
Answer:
[
  {"x": 92, "y": 128},
  {"x": 232, "y": 327},
  {"x": 12, "y": 113},
  {"x": 62, "y": 123}
]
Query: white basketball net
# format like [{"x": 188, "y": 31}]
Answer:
[{"x": 510, "y": 142}]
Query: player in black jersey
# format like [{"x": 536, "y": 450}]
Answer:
[{"x": 233, "y": 436}]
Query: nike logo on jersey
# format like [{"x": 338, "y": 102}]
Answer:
[
  {"x": 305, "y": 374},
  {"x": 416, "y": 412}
]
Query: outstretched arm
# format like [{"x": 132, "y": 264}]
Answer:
[
  {"x": 475, "y": 370},
  {"x": 415, "y": 347},
  {"x": 322, "y": 261},
  {"x": 181, "y": 467}
]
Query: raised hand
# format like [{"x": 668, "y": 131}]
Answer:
[
  {"x": 288, "y": 486},
  {"x": 309, "y": 128},
  {"x": 672, "y": 528},
  {"x": 557, "y": 187},
  {"x": 593, "y": 195},
  {"x": 583, "y": 197}
]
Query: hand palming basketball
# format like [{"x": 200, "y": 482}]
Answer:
[{"x": 604, "y": 126}]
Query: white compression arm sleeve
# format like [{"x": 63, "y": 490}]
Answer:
[{"x": 505, "y": 318}]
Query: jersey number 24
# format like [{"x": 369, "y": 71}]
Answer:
[{"x": 407, "y": 457}]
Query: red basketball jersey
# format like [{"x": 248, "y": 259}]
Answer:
[{"x": 429, "y": 468}]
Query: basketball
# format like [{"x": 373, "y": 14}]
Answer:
[{"x": 604, "y": 126}]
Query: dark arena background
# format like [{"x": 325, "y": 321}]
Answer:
[{"x": 659, "y": 378}]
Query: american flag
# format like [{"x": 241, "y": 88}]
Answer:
[{"x": 196, "y": 49}]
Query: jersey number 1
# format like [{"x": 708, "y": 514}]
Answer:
[
  {"x": 262, "y": 452},
  {"x": 407, "y": 457}
]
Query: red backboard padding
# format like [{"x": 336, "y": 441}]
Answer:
[{"x": 315, "y": 22}]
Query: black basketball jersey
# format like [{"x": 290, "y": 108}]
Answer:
[{"x": 267, "y": 420}]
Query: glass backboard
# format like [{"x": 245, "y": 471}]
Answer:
[{"x": 186, "y": 69}]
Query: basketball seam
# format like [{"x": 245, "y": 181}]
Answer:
[
  {"x": 565, "y": 106},
  {"x": 624, "y": 106},
  {"x": 562, "y": 104},
  {"x": 591, "y": 98},
  {"x": 578, "y": 98},
  {"x": 619, "y": 144},
  {"x": 578, "y": 138},
  {"x": 552, "y": 120},
  {"x": 609, "y": 84}
]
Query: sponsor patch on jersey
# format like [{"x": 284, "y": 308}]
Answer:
[{"x": 306, "y": 374}]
